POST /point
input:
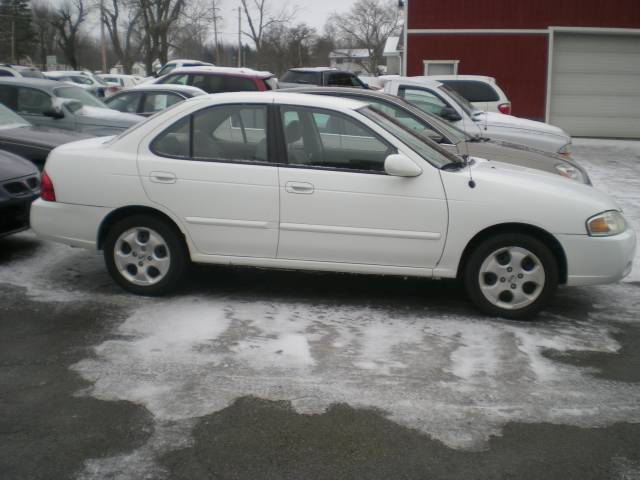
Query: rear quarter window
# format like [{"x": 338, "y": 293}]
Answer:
[
  {"x": 473, "y": 90},
  {"x": 307, "y": 78}
]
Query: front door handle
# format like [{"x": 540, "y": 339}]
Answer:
[
  {"x": 303, "y": 188},
  {"x": 162, "y": 177}
]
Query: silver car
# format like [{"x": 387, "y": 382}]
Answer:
[
  {"x": 456, "y": 140},
  {"x": 49, "y": 103}
]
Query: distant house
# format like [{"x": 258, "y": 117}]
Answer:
[
  {"x": 393, "y": 55},
  {"x": 354, "y": 60}
]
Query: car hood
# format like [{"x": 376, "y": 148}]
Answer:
[
  {"x": 518, "y": 154},
  {"x": 44, "y": 137},
  {"x": 495, "y": 119},
  {"x": 13, "y": 166},
  {"x": 507, "y": 193},
  {"x": 108, "y": 117}
]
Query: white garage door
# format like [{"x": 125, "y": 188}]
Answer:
[{"x": 595, "y": 85}]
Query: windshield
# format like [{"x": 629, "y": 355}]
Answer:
[
  {"x": 466, "y": 105},
  {"x": 97, "y": 79},
  {"x": 426, "y": 148},
  {"x": 9, "y": 119},
  {"x": 452, "y": 132},
  {"x": 307, "y": 78},
  {"x": 75, "y": 93}
]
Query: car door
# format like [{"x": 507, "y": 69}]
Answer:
[
  {"x": 214, "y": 174},
  {"x": 339, "y": 205}
]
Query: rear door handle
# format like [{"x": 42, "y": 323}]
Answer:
[
  {"x": 162, "y": 177},
  {"x": 301, "y": 188}
]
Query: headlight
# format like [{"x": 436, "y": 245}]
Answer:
[
  {"x": 606, "y": 224},
  {"x": 571, "y": 172},
  {"x": 566, "y": 150}
]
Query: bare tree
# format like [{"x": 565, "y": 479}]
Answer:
[
  {"x": 159, "y": 19},
  {"x": 261, "y": 19},
  {"x": 368, "y": 25},
  {"x": 67, "y": 21},
  {"x": 43, "y": 22},
  {"x": 122, "y": 19}
]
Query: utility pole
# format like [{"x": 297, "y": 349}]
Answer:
[
  {"x": 102, "y": 42},
  {"x": 239, "y": 37},
  {"x": 13, "y": 41},
  {"x": 215, "y": 31}
]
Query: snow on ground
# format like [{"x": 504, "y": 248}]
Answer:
[
  {"x": 457, "y": 377},
  {"x": 614, "y": 167}
]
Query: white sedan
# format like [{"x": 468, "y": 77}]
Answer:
[{"x": 306, "y": 182}]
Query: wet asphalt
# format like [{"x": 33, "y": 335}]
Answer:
[{"x": 50, "y": 427}]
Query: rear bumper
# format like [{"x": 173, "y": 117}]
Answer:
[
  {"x": 598, "y": 260},
  {"x": 75, "y": 225}
]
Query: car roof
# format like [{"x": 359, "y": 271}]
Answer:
[
  {"x": 480, "y": 78},
  {"x": 419, "y": 81},
  {"x": 239, "y": 72},
  {"x": 314, "y": 69},
  {"x": 172, "y": 87},
  {"x": 282, "y": 98},
  {"x": 41, "y": 83},
  {"x": 312, "y": 89},
  {"x": 183, "y": 60}
]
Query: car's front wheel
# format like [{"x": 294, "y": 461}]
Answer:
[
  {"x": 145, "y": 255},
  {"x": 511, "y": 275}
]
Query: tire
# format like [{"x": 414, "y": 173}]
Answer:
[
  {"x": 145, "y": 255},
  {"x": 519, "y": 293}
]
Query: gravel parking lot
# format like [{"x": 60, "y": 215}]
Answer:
[{"x": 251, "y": 374}]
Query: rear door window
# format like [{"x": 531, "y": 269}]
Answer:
[
  {"x": 127, "y": 102},
  {"x": 307, "y": 78},
  {"x": 473, "y": 90},
  {"x": 155, "y": 102},
  {"x": 176, "y": 79},
  {"x": 342, "y": 79}
]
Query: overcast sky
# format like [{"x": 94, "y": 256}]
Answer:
[{"x": 312, "y": 12}]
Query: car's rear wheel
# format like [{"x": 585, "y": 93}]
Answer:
[
  {"x": 511, "y": 276},
  {"x": 145, "y": 255}
]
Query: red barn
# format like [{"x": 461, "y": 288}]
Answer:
[{"x": 573, "y": 63}]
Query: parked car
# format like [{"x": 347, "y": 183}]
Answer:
[
  {"x": 18, "y": 136},
  {"x": 120, "y": 80},
  {"x": 434, "y": 97},
  {"x": 19, "y": 71},
  {"x": 221, "y": 79},
  {"x": 321, "y": 76},
  {"x": 483, "y": 92},
  {"x": 87, "y": 81},
  {"x": 148, "y": 99},
  {"x": 19, "y": 186},
  {"x": 48, "y": 103},
  {"x": 180, "y": 63},
  {"x": 454, "y": 139},
  {"x": 322, "y": 183}
]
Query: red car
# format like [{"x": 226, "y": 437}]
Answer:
[{"x": 221, "y": 79}]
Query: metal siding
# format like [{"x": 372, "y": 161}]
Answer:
[
  {"x": 517, "y": 62},
  {"x": 523, "y": 14},
  {"x": 595, "y": 87}
]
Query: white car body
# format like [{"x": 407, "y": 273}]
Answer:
[
  {"x": 275, "y": 215},
  {"x": 122, "y": 81},
  {"x": 172, "y": 65},
  {"x": 495, "y": 126},
  {"x": 494, "y": 101}
]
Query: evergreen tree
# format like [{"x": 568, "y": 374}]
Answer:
[{"x": 16, "y": 29}]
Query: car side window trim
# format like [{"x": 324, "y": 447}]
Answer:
[
  {"x": 191, "y": 157},
  {"x": 283, "y": 149}
]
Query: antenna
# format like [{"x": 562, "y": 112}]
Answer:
[{"x": 466, "y": 156}]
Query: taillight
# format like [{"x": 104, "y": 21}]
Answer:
[
  {"x": 505, "y": 108},
  {"x": 47, "y": 193}
]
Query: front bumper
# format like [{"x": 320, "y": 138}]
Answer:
[
  {"x": 14, "y": 215},
  {"x": 598, "y": 260}
]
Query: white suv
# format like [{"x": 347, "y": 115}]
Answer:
[{"x": 483, "y": 92}]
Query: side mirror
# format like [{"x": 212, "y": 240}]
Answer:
[
  {"x": 449, "y": 113},
  {"x": 399, "y": 165},
  {"x": 54, "y": 112}
]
